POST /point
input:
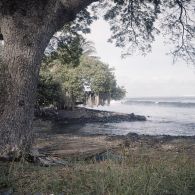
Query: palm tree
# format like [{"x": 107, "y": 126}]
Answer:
[{"x": 88, "y": 48}]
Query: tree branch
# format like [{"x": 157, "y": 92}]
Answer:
[{"x": 76, "y": 5}]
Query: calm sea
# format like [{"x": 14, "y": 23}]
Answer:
[{"x": 167, "y": 115}]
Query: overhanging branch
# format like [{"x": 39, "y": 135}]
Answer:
[{"x": 76, "y": 5}]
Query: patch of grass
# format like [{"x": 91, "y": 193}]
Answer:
[{"x": 138, "y": 173}]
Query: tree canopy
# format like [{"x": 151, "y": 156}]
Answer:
[
  {"x": 133, "y": 23},
  {"x": 63, "y": 83}
]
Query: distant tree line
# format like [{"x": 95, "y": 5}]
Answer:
[{"x": 70, "y": 74}]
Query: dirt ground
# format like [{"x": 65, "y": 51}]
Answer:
[
  {"x": 74, "y": 145},
  {"x": 67, "y": 145}
]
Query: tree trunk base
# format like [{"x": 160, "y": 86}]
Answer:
[
  {"x": 10, "y": 153},
  {"x": 14, "y": 154}
]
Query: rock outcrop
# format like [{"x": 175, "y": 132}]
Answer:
[{"x": 83, "y": 115}]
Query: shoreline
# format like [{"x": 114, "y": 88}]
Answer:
[
  {"x": 68, "y": 147},
  {"x": 58, "y": 157},
  {"x": 68, "y": 158},
  {"x": 63, "y": 149},
  {"x": 85, "y": 115},
  {"x": 68, "y": 143}
]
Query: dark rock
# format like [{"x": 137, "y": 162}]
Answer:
[
  {"x": 83, "y": 115},
  {"x": 46, "y": 113},
  {"x": 132, "y": 135}
]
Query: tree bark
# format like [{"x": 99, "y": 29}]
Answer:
[
  {"x": 26, "y": 26},
  {"x": 21, "y": 60}
]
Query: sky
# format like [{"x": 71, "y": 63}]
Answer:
[{"x": 153, "y": 75}]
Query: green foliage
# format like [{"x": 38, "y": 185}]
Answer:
[
  {"x": 118, "y": 93},
  {"x": 82, "y": 22},
  {"x": 69, "y": 51},
  {"x": 132, "y": 24},
  {"x": 66, "y": 48},
  {"x": 103, "y": 79},
  {"x": 100, "y": 77},
  {"x": 135, "y": 24},
  {"x": 71, "y": 82},
  {"x": 48, "y": 90},
  {"x": 62, "y": 82},
  {"x": 68, "y": 67},
  {"x": 68, "y": 45}
]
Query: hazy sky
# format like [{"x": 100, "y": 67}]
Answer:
[{"x": 153, "y": 75}]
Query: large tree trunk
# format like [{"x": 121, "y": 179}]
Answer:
[
  {"x": 21, "y": 62},
  {"x": 26, "y": 27}
]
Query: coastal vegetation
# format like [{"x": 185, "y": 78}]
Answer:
[
  {"x": 46, "y": 62},
  {"x": 70, "y": 74}
]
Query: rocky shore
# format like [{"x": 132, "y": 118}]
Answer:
[
  {"x": 56, "y": 145},
  {"x": 72, "y": 156},
  {"x": 59, "y": 149},
  {"x": 84, "y": 115}
]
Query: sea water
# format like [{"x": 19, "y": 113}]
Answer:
[{"x": 165, "y": 116}]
